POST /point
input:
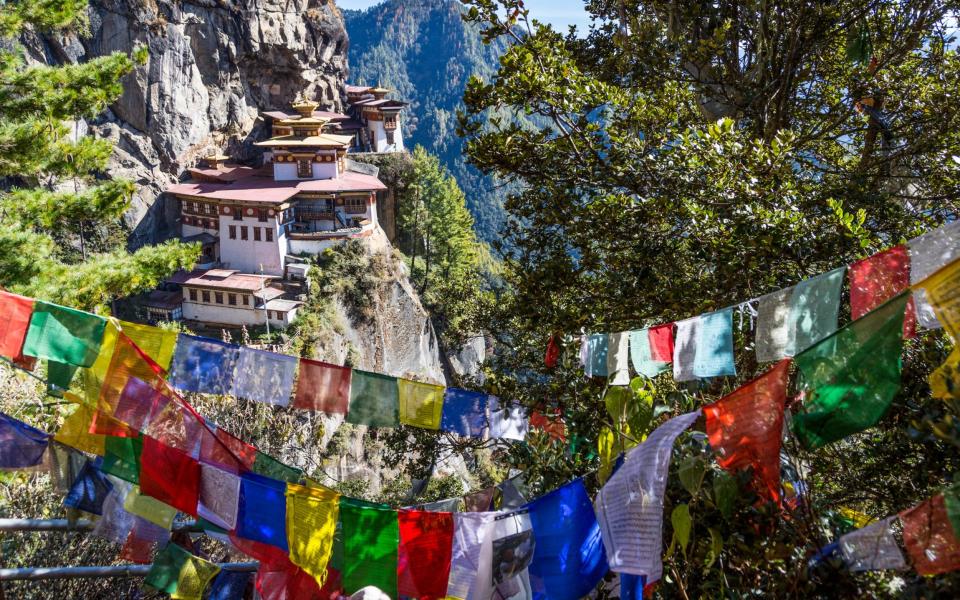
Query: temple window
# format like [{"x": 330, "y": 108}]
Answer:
[
  {"x": 256, "y": 234},
  {"x": 218, "y": 297},
  {"x": 205, "y": 295},
  {"x": 269, "y": 233},
  {"x": 237, "y": 213},
  {"x": 233, "y": 232},
  {"x": 243, "y": 232},
  {"x": 355, "y": 205},
  {"x": 232, "y": 299},
  {"x": 193, "y": 295},
  {"x": 262, "y": 215},
  {"x": 304, "y": 167}
]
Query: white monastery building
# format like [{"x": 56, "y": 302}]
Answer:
[{"x": 255, "y": 224}]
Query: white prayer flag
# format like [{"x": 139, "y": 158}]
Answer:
[
  {"x": 470, "y": 531},
  {"x": 872, "y": 548},
  {"x": 928, "y": 253},
  {"x": 630, "y": 506},
  {"x": 618, "y": 358}
]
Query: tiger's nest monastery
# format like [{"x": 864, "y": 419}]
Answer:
[{"x": 258, "y": 226}]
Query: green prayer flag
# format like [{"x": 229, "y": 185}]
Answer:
[
  {"x": 371, "y": 534},
  {"x": 122, "y": 457},
  {"x": 266, "y": 465},
  {"x": 166, "y": 568},
  {"x": 374, "y": 400},
  {"x": 59, "y": 376},
  {"x": 64, "y": 334},
  {"x": 951, "y": 500},
  {"x": 852, "y": 376}
]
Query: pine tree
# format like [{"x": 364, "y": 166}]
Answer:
[{"x": 60, "y": 213}]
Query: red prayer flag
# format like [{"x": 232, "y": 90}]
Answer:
[
  {"x": 104, "y": 424},
  {"x": 278, "y": 578},
  {"x": 137, "y": 404},
  {"x": 929, "y": 538},
  {"x": 423, "y": 559},
  {"x": 323, "y": 387},
  {"x": 170, "y": 476},
  {"x": 550, "y": 424},
  {"x": 553, "y": 353},
  {"x": 174, "y": 426},
  {"x": 221, "y": 449},
  {"x": 745, "y": 428},
  {"x": 876, "y": 279},
  {"x": 661, "y": 342},
  {"x": 15, "y": 313}
]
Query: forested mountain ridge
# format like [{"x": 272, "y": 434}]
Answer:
[{"x": 426, "y": 52}]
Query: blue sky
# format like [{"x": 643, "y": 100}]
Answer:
[{"x": 559, "y": 13}]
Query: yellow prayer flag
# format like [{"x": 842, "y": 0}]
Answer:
[
  {"x": 149, "y": 508},
  {"x": 156, "y": 343},
  {"x": 943, "y": 292},
  {"x": 421, "y": 404},
  {"x": 75, "y": 431},
  {"x": 311, "y": 524},
  {"x": 194, "y": 576},
  {"x": 102, "y": 362},
  {"x": 945, "y": 381}
]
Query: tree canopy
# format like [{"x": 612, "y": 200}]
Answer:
[
  {"x": 61, "y": 233},
  {"x": 696, "y": 156}
]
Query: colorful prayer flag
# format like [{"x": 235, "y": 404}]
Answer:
[
  {"x": 21, "y": 446},
  {"x": 126, "y": 361},
  {"x": 552, "y": 354},
  {"x": 479, "y": 501},
  {"x": 929, "y": 538},
  {"x": 122, "y": 456},
  {"x": 64, "y": 334},
  {"x": 203, "y": 365},
  {"x": 137, "y": 404},
  {"x": 704, "y": 347},
  {"x": 158, "y": 344},
  {"x": 928, "y": 253},
  {"x": 75, "y": 431},
  {"x": 170, "y": 475},
  {"x": 264, "y": 376},
  {"x": 176, "y": 426},
  {"x": 421, "y": 404},
  {"x": 424, "y": 554},
  {"x": 115, "y": 523},
  {"x": 182, "y": 575},
  {"x": 219, "y": 447},
  {"x": 597, "y": 349},
  {"x": 218, "y": 496},
  {"x": 230, "y": 585},
  {"x": 143, "y": 539},
  {"x": 268, "y": 466},
  {"x": 618, "y": 358},
  {"x": 464, "y": 412},
  {"x": 15, "y": 313},
  {"x": 149, "y": 508},
  {"x": 651, "y": 350},
  {"x": 745, "y": 428},
  {"x": 872, "y": 548},
  {"x": 322, "y": 387},
  {"x": 89, "y": 490},
  {"x": 629, "y": 507},
  {"x": 311, "y": 524},
  {"x": 262, "y": 515},
  {"x": 876, "y": 279},
  {"x": 549, "y": 421},
  {"x": 568, "y": 558},
  {"x": 513, "y": 546},
  {"x": 470, "y": 531},
  {"x": 793, "y": 319},
  {"x": 851, "y": 377},
  {"x": 943, "y": 296},
  {"x": 374, "y": 400},
  {"x": 371, "y": 534},
  {"x": 507, "y": 421}
]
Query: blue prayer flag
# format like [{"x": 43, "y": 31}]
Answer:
[
  {"x": 464, "y": 412},
  {"x": 230, "y": 585},
  {"x": 89, "y": 490},
  {"x": 203, "y": 365},
  {"x": 599, "y": 345},
  {"x": 631, "y": 586},
  {"x": 262, "y": 510},
  {"x": 21, "y": 446},
  {"x": 569, "y": 558}
]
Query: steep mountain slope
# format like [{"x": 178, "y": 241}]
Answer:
[{"x": 423, "y": 50}]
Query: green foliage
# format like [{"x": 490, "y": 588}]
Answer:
[
  {"x": 436, "y": 233},
  {"x": 60, "y": 245},
  {"x": 693, "y": 156}
]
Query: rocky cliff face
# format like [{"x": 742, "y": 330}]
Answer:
[{"x": 213, "y": 66}]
